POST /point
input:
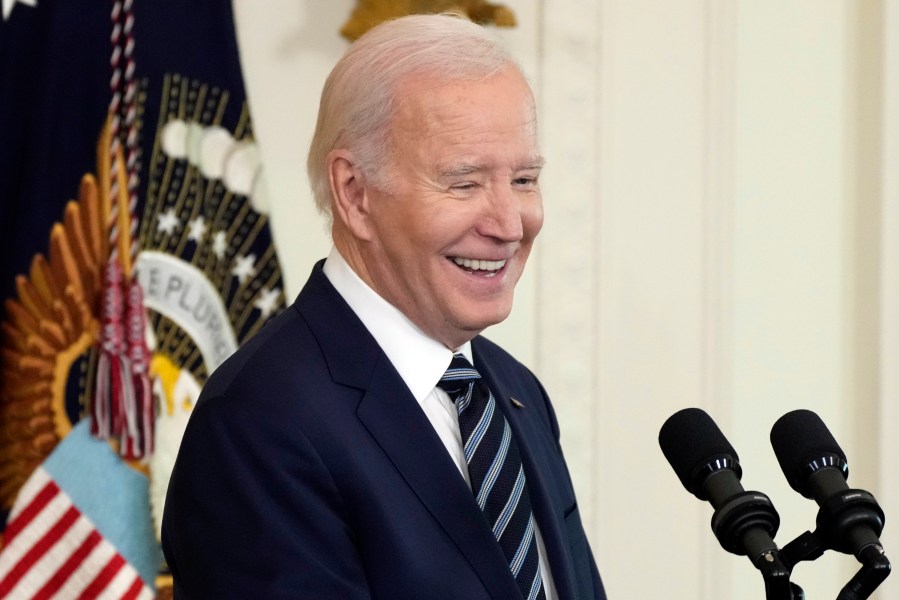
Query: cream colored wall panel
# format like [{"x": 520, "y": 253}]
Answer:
[
  {"x": 717, "y": 302},
  {"x": 869, "y": 268},
  {"x": 645, "y": 194},
  {"x": 792, "y": 177},
  {"x": 566, "y": 270},
  {"x": 862, "y": 218}
]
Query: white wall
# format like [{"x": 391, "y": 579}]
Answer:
[{"x": 721, "y": 231}]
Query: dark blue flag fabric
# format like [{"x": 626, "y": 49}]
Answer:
[{"x": 135, "y": 256}]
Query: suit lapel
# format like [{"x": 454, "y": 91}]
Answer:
[
  {"x": 531, "y": 433},
  {"x": 399, "y": 426},
  {"x": 407, "y": 437}
]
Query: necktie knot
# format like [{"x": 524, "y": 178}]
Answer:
[{"x": 459, "y": 377}]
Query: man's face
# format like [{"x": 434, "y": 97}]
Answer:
[{"x": 450, "y": 239}]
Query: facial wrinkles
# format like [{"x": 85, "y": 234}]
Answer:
[
  {"x": 429, "y": 225},
  {"x": 454, "y": 136},
  {"x": 446, "y": 127},
  {"x": 485, "y": 160},
  {"x": 467, "y": 168}
]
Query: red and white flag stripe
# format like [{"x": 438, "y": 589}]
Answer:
[{"x": 51, "y": 550}]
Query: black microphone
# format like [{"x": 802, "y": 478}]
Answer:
[
  {"x": 849, "y": 520},
  {"x": 708, "y": 466}
]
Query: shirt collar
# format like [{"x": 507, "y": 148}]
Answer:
[{"x": 420, "y": 360}]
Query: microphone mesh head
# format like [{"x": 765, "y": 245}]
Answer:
[
  {"x": 799, "y": 438},
  {"x": 690, "y": 440}
]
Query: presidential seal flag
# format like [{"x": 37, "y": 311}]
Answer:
[{"x": 139, "y": 258}]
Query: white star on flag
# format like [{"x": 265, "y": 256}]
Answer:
[
  {"x": 219, "y": 244},
  {"x": 268, "y": 301},
  {"x": 243, "y": 267},
  {"x": 168, "y": 222},
  {"x": 197, "y": 229}
]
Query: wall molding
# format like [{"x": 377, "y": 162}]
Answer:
[{"x": 720, "y": 31}]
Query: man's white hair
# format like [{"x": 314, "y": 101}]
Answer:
[{"x": 359, "y": 98}]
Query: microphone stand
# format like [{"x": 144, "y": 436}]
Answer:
[
  {"x": 777, "y": 578},
  {"x": 746, "y": 524}
]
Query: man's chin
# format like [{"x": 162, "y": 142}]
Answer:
[{"x": 482, "y": 321}]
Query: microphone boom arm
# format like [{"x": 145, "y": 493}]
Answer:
[
  {"x": 875, "y": 568},
  {"x": 875, "y": 564},
  {"x": 848, "y": 519}
]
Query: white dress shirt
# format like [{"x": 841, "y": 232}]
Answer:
[{"x": 421, "y": 361}]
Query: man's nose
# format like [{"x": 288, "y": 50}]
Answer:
[{"x": 502, "y": 219}]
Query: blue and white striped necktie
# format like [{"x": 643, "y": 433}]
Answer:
[{"x": 497, "y": 477}]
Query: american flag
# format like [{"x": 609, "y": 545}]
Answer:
[{"x": 54, "y": 549}]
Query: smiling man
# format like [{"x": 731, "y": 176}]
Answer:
[{"x": 369, "y": 443}]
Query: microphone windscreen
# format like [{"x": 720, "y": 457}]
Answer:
[
  {"x": 690, "y": 439},
  {"x": 798, "y": 438}
]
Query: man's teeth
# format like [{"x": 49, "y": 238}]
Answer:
[{"x": 480, "y": 265}]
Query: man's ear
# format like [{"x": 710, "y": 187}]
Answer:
[{"x": 349, "y": 196}]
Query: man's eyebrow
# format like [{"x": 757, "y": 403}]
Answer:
[
  {"x": 535, "y": 163},
  {"x": 461, "y": 170}
]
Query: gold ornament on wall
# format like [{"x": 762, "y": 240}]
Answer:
[{"x": 369, "y": 13}]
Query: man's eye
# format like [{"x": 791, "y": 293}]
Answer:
[
  {"x": 464, "y": 186},
  {"x": 525, "y": 181}
]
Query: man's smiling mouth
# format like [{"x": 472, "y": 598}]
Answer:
[{"x": 489, "y": 267}]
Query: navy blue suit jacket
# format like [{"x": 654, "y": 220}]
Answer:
[{"x": 308, "y": 470}]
